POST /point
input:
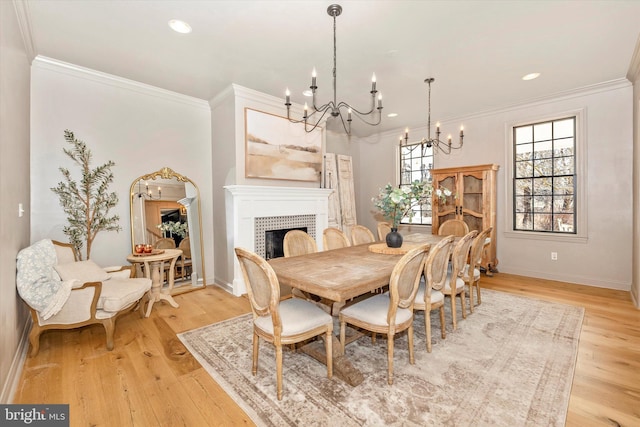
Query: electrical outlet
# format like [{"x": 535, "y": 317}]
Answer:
[{"x": 554, "y": 256}]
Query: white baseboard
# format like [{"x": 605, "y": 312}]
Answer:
[
  {"x": 589, "y": 281},
  {"x": 13, "y": 378}
]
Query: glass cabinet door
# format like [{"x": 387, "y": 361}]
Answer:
[
  {"x": 472, "y": 199},
  {"x": 447, "y": 208}
]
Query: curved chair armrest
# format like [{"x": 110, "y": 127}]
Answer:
[{"x": 118, "y": 268}]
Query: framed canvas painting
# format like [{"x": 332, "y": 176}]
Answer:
[{"x": 275, "y": 148}]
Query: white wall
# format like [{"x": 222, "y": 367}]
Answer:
[
  {"x": 14, "y": 189},
  {"x": 140, "y": 127},
  {"x": 605, "y": 258}
]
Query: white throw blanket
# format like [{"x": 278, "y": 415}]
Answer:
[{"x": 37, "y": 284}]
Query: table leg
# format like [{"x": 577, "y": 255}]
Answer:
[{"x": 155, "y": 293}]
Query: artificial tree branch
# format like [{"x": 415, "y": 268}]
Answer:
[{"x": 87, "y": 203}]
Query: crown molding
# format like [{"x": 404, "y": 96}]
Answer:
[
  {"x": 24, "y": 23},
  {"x": 51, "y": 64}
]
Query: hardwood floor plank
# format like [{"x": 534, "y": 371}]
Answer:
[{"x": 150, "y": 378}]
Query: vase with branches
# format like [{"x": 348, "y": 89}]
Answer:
[
  {"x": 396, "y": 203},
  {"x": 86, "y": 203}
]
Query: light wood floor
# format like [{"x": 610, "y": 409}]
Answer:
[{"x": 149, "y": 379}]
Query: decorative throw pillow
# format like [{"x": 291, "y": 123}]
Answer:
[{"x": 84, "y": 271}]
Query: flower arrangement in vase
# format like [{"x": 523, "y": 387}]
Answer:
[{"x": 397, "y": 203}]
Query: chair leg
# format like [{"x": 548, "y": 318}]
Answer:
[
  {"x": 342, "y": 336},
  {"x": 478, "y": 292},
  {"x": 109, "y": 328},
  {"x": 471, "y": 297},
  {"x": 453, "y": 311},
  {"x": 373, "y": 338},
  {"x": 279, "y": 370},
  {"x": 443, "y": 326},
  {"x": 328, "y": 348},
  {"x": 256, "y": 347},
  {"x": 427, "y": 327},
  {"x": 412, "y": 358},
  {"x": 34, "y": 339},
  {"x": 390, "y": 358},
  {"x": 463, "y": 303}
]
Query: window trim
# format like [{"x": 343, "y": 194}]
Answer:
[{"x": 581, "y": 236}]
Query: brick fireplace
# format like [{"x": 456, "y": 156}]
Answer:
[{"x": 253, "y": 210}]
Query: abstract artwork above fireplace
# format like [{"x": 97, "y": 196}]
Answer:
[{"x": 275, "y": 148}]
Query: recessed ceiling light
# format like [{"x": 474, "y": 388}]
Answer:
[
  {"x": 180, "y": 26},
  {"x": 531, "y": 76},
  {"x": 307, "y": 92},
  {"x": 392, "y": 115}
]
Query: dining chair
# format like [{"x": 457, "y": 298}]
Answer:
[
  {"x": 184, "y": 262},
  {"x": 430, "y": 296},
  {"x": 389, "y": 313},
  {"x": 297, "y": 242},
  {"x": 384, "y": 228},
  {"x": 280, "y": 322},
  {"x": 457, "y": 227},
  {"x": 165, "y": 243},
  {"x": 471, "y": 274},
  {"x": 361, "y": 234},
  {"x": 334, "y": 238},
  {"x": 454, "y": 285}
]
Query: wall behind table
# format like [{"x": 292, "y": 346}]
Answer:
[
  {"x": 140, "y": 127},
  {"x": 604, "y": 259}
]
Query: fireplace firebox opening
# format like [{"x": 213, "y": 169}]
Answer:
[{"x": 273, "y": 241}]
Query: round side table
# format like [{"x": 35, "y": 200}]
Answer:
[{"x": 153, "y": 269}]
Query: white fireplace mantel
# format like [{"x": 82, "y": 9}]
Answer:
[{"x": 245, "y": 203}]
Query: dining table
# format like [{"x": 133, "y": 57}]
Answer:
[{"x": 340, "y": 275}]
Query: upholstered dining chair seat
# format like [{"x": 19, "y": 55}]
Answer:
[
  {"x": 297, "y": 316},
  {"x": 447, "y": 283},
  {"x": 374, "y": 311},
  {"x": 476, "y": 272},
  {"x": 436, "y": 296}
]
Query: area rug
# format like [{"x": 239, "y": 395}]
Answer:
[{"x": 510, "y": 363}]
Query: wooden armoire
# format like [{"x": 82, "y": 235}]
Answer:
[{"x": 473, "y": 199}]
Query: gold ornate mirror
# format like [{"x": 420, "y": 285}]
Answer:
[{"x": 165, "y": 213}]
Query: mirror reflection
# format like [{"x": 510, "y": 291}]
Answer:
[{"x": 165, "y": 214}]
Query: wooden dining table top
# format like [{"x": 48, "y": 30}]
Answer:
[{"x": 341, "y": 274}]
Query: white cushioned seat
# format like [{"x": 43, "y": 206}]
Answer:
[
  {"x": 120, "y": 293},
  {"x": 436, "y": 296},
  {"x": 374, "y": 311},
  {"x": 476, "y": 272},
  {"x": 297, "y": 316},
  {"x": 459, "y": 283}
]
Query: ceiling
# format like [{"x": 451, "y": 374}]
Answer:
[{"x": 476, "y": 50}]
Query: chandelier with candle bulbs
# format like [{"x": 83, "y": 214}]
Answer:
[
  {"x": 148, "y": 193},
  {"x": 334, "y": 107},
  {"x": 429, "y": 142}
]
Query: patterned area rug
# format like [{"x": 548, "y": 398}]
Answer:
[{"x": 510, "y": 363}]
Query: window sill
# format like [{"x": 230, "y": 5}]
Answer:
[{"x": 551, "y": 237}]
